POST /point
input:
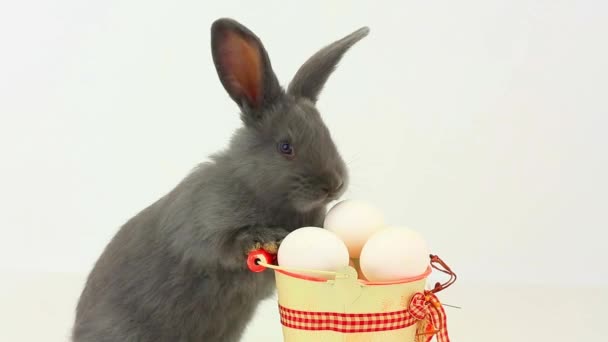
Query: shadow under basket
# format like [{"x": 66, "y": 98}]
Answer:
[{"x": 337, "y": 306}]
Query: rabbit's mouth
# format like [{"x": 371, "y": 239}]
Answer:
[
  {"x": 308, "y": 204},
  {"x": 313, "y": 193}
]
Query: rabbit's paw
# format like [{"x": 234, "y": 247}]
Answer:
[{"x": 268, "y": 239}]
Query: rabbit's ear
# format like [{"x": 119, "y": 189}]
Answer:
[
  {"x": 243, "y": 65},
  {"x": 312, "y": 75}
]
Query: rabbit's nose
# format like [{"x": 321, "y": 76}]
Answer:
[
  {"x": 332, "y": 183},
  {"x": 338, "y": 187}
]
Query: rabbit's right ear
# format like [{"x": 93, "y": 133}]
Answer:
[{"x": 243, "y": 65}]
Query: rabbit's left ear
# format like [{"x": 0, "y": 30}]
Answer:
[
  {"x": 243, "y": 65},
  {"x": 312, "y": 75}
]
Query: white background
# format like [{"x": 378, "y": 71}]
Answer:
[{"x": 481, "y": 124}]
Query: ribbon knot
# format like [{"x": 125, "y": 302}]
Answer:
[
  {"x": 417, "y": 307},
  {"x": 427, "y": 309}
]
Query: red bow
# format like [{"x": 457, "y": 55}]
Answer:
[{"x": 426, "y": 308}]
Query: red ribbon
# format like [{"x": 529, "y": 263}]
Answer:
[
  {"x": 437, "y": 318},
  {"x": 418, "y": 306},
  {"x": 427, "y": 308}
]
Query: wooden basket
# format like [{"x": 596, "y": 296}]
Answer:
[{"x": 344, "y": 308}]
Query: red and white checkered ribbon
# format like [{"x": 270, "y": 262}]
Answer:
[
  {"x": 423, "y": 306},
  {"x": 435, "y": 317}
]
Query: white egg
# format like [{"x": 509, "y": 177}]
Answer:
[
  {"x": 313, "y": 248},
  {"x": 394, "y": 253},
  {"x": 354, "y": 222}
]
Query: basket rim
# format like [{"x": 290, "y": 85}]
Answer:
[{"x": 361, "y": 281}]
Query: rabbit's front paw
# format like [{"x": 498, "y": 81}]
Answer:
[{"x": 268, "y": 239}]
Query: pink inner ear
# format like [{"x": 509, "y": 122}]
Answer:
[{"x": 242, "y": 67}]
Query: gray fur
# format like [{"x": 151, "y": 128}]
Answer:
[
  {"x": 177, "y": 271},
  {"x": 312, "y": 75}
]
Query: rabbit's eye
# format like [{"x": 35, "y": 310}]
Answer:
[{"x": 286, "y": 149}]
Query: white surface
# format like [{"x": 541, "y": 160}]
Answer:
[
  {"x": 481, "y": 124},
  {"x": 39, "y": 308}
]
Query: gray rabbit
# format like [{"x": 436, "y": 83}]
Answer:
[{"x": 177, "y": 271}]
